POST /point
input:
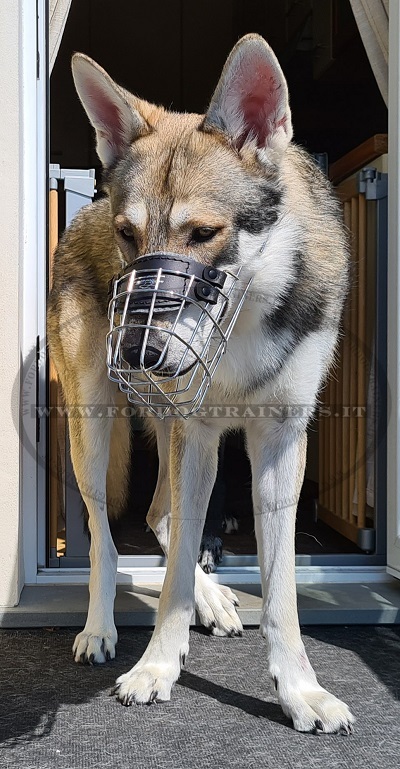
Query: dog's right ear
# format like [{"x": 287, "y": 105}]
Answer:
[
  {"x": 251, "y": 103},
  {"x": 110, "y": 109}
]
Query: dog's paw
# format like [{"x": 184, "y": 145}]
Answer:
[
  {"x": 316, "y": 710},
  {"x": 95, "y": 648},
  {"x": 230, "y": 524},
  {"x": 216, "y": 607},
  {"x": 210, "y": 554},
  {"x": 148, "y": 682}
]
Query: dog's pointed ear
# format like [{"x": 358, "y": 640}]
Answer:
[
  {"x": 251, "y": 102},
  {"x": 110, "y": 109}
]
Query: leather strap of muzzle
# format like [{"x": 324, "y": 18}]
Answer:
[{"x": 204, "y": 288}]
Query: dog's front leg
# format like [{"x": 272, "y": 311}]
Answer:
[
  {"x": 277, "y": 453},
  {"x": 194, "y": 448},
  {"x": 90, "y": 446}
]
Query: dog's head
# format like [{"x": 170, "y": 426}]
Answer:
[{"x": 206, "y": 187}]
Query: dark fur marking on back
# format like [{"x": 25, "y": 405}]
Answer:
[
  {"x": 301, "y": 311},
  {"x": 261, "y": 210}
]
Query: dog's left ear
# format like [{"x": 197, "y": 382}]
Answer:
[
  {"x": 251, "y": 102},
  {"x": 113, "y": 112}
]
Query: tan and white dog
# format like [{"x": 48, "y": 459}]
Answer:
[{"x": 227, "y": 189}]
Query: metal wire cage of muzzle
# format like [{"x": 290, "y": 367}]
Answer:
[{"x": 166, "y": 295}]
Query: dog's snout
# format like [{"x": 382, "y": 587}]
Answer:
[{"x": 132, "y": 356}]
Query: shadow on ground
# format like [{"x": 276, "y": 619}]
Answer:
[
  {"x": 377, "y": 645},
  {"x": 223, "y": 711}
]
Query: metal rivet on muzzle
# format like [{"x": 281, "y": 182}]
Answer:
[
  {"x": 217, "y": 277},
  {"x": 205, "y": 291},
  {"x": 175, "y": 304}
]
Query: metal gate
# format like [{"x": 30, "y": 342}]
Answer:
[
  {"x": 353, "y": 415},
  {"x": 70, "y": 189}
]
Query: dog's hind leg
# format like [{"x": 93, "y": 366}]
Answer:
[
  {"x": 210, "y": 555},
  {"x": 120, "y": 458},
  {"x": 158, "y": 516},
  {"x": 277, "y": 452},
  {"x": 215, "y": 604}
]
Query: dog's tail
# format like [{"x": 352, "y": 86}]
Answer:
[{"x": 118, "y": 468}]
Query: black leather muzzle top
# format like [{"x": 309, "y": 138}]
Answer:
[{"x": 171, "y": 286}]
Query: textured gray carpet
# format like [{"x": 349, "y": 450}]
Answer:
[{"x": 56, "y": 714}]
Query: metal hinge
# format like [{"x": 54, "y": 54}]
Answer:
[
  {"x": 366, "y": 540},
  {"x": 373, "y": 184},
  {"x": 79, "y": 186}
]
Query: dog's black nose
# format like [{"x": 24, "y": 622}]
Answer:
[{"x": 132, "y": 356}]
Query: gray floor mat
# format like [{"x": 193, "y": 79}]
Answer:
[{"x": 54, "y": 713}]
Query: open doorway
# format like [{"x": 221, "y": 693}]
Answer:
[{"x": 172, "y": 53}]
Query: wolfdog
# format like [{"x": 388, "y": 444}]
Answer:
[{"x": 227, "y": 189}]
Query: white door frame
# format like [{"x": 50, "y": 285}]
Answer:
[
  {"x": 33, "y": 288},
  {"x": 393, "y": 435},
  {"x": 33, "y": 204}
]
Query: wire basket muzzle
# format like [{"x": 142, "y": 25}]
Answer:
[{"x": 170, "y": 321}]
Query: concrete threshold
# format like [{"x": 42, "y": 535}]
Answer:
[{"x": 136, "y": 605}]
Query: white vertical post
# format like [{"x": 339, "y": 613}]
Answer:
[
  {"x": 11, "y": 244},
  {"x": 28, "y": 294},
  {"x": 38, "y": 528},
  {"x": 393, "y": 463},
  {"x": 22, "y": 267}
]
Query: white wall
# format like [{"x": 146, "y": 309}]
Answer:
[{"x": 10, "y": 251}]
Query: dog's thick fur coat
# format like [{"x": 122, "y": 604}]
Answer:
[{"x": 228, "y": 188}]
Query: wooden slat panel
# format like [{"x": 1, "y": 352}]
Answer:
[
  {"x": 331, "y": 468},
  {"x": 343, "y": 527},
  {"x": 362, "y": 363},
  {"x": 343, "y": 438},
  {"x": 53, "y": 389},
  {"x": 335, "y": 436},
  {"x": 339, "y": 433},
  {"x": 352, "y": 448},
  {"x": 347, "y": 190},
  {"x": 328, "y": 400},
  {"x": 321, "y": 452},
  {"x": 346, "y": 395}
]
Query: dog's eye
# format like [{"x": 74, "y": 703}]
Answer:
[
  {"x": 126, "y": 234},
  {"x": 202, "y": 234}
]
